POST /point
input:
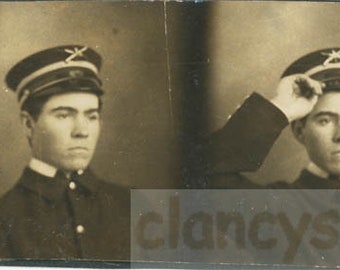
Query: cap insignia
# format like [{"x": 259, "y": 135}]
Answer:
[
  {"x": 74, "y": 53},
  {"x": 332, "y": 56},
  {"x": 76, "y": 73}
]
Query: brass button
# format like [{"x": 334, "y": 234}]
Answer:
[
  {"x": 80, "y": 229},
  {"x": 72, "y": 185}
]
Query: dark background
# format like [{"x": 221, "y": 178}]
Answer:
[{"x": 172, "y": 72}]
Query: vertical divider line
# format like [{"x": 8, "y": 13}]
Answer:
[{"x": 168, "y": 64}]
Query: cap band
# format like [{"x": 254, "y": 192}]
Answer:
[
  {"x": 320, "y": 68},
  {"x": 55, "y": 66},
  {"x": 26, "y": 93}
]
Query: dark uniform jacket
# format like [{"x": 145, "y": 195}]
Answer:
[
  {"x": 307, "y": 180},
  {"x": 243, "y": 144},
  {"x": 240, "y": 146},
  {"x": 43, "y": 217}
]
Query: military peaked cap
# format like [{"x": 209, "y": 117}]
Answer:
[
  {"x": 322, "y": 65},
  {"x": 56, "y": 70}
]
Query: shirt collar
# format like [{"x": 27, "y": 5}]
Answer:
[
  {"x": 316, "y": 170},
  {"x": 42, "y": 168}
]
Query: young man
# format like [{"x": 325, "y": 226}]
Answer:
[
  {"x": 308, "y": 97},
  {"x": 59, "y": 208},
  {"x": 318, "y": 130}
]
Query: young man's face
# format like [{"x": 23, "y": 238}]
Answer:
[
  {"x": 67, "y": 130},
  {"x": 321, "y": 133}
]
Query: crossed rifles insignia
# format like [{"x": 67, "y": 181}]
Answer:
[
  {"x": 76, "y": 52},
  {"x": 332, "y": 57}
]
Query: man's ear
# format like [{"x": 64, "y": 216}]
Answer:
[
  {"x": 28, "y": 123},
  {"x": 298, "y": 128}
]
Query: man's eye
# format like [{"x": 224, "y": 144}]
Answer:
[
  {"x": 324, "y": 121},
  {"x": 62, "y": 115},
  {"x": 94, "y": 116}
]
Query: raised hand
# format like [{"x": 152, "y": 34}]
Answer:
[{"x": 296, "y": 95}]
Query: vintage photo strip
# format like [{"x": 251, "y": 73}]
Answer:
[{"x": 196, "y": 134}]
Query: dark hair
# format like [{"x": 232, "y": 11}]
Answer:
[
  {"x": 33, "y": 105},
  {"x": 303, "y": 120}
]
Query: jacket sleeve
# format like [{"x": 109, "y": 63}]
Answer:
[
  {"x": 4, "y": 241},
  {"x": 242, "y": 144}
]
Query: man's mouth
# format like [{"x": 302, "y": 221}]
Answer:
[
  {"x": 79, "y": 149},
  {"x": 336, "y": 153}
]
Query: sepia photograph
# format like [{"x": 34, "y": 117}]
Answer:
[{"x": 170, "y": 134}]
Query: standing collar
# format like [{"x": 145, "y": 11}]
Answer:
[
  {"x": 46, "y": 169},
  {"x": 316, "y": 170},
  {"x": 42, "y": 168}
]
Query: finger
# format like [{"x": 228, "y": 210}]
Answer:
[
  {"x": 317, "y": 87},
  {"x": 308, "y": 87},
  {"x": 305, "y": 87},
  {"x": 313, "y": 100},
  {"x": 301, "y": 78}
]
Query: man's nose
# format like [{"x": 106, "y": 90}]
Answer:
[
  {"x": 80, "y": 127},
  {"x": 336, "y": 136}
]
